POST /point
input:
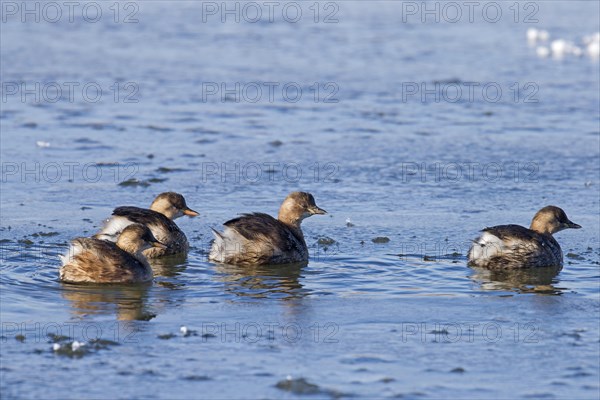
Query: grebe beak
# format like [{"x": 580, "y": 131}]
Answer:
[
  {"x": 573, "y": 225},
  {"x": 159, "y": 245},
  {"x": 316, "y": 210},
  {"x": 190, "y": 213}
]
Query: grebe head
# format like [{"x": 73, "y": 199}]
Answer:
[
  {"x": 136, "y": 238},
  {"x": 172, "y": 205},
  {"x": 298, "y": 206},
  {"x": 550, "y": 220}
]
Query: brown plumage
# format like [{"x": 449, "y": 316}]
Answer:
[
  {"x": 259, "y": 239},
  {"x": 100, "y": 261},
  {"x": 159, "y": 218},
  {"x": 514, "y": 246}
]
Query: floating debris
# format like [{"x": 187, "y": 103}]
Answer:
[
  {"x": 58, "y": 338},
  {"x": 439, "y": 332},
  {"x": 185, "y": 331},
  {"x": 301, "y": 386},
  {"x": 202, "y": 130},
  {"x": 76, "y": 349},
  {"x": 134, "y": 183},
  {"x": 157, "y": 128},
  {"x": 76, "y": 345},
  {"x": 574, "y": 256},
  {"x": 380, "y": 239},
  {"x": 44, "y": 234},
  {"x": 448, "y": 81},
  {"x": 205, "y": 141},
  {"x": 298, "y": 386},
  {"x": 167, "y": 336},
  {"x": 197, "y": 378},
  {"x": 326, "y": 241},
  {"x": 167, "y": 169},
  {"x": 97, "y": 126}
]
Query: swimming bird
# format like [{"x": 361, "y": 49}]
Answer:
[
  {"x": 514, "y": 246},
  {"x": 259, "y": 239},
  {"x": 100, "y": 261},
  {"x": 159, "y": 218}
]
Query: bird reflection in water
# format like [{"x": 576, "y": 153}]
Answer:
[
  {"x": 128, "y": 302},
  {"x": 524, "y": 280},
  {"x": 265, "y": 281},
  {"x": 169, "y": 266}
]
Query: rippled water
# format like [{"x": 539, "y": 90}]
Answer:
[{"x": 365, "y": 317}]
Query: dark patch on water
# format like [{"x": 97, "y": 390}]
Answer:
[
  {"x": 381, "y": 239},
  {"x": 302, "y": 387},
  {"x": 157, "y": 128},
  {"x": 134, "y": 182}
]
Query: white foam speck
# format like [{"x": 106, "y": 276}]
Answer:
[
  {"x": 542, "y": 51},
  {"x": 560, "y": 48},
  {"x": 76, "y": 345},
  {"x": 593, "y": 49},
  {"x": 537, "y": 35}
]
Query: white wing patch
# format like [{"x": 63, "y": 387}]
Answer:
[
  {"x": 486, "y": 247},
  {"x": 113, "y": 227},
  {"x": 74, "y": 249},
  {"x": 227, "y": 244}
]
